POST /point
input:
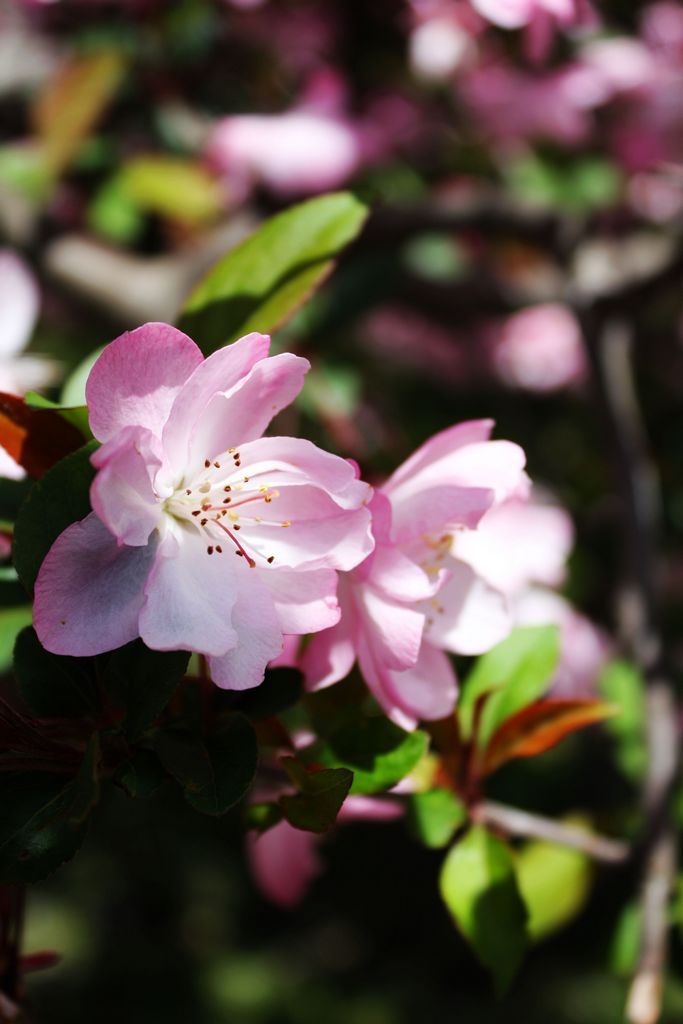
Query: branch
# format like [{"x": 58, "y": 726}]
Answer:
[
  {"x": 610, "y": 344},
  {"x": 515, "y": 822}
]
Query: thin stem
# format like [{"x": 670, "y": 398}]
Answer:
[{"x": 515, "y": 822}]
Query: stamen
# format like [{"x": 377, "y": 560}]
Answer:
[
  {"x": 233, "y": 538},
  {"x": 207, "y": 463},
  {"x": 270, "y": 560},
  {"x": 209, "y": 550}
]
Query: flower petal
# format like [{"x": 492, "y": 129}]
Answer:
[
  {"x": 189, "y": 596},
  {"x": 296, "y": 460},
  {"x": 122, "y": 493},
  {"x": 284, "y": 861},
  {"x": 242, "y": 413},
  {"x": 136, "y": 379},
  {"x": 89, "y": 590},
  {"x": 259, "y": 637},
  {"x": 425, "y": 691},
  {"x": 305, "y": 602},
  {"x": 330, "y": 654},
  {"x": 303, "y": 526},
  {"x": 467, "y": 616},
  {"x": 217, "y": 374},
  {"x": 19, "y": 303},
  {"x": 518, "y": 543},
  {"x": 437, "y": 447},
  {"x": 435, "y": 508},
  {"x": 393, "y": 631}
]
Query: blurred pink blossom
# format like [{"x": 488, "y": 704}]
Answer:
[
  {"x": 539, "y": 349},
  {"x": 285, "y": 860}
]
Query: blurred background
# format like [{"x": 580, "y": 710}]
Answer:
[{"x": 523, "y": 163}]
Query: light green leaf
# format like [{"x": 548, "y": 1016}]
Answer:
[
  {"x": 265, "y": 279},
  {"x": 435, "y": 816},
  {"x": 479, "y": 887},
  {"x": 377, "y": 752},
  {"x": 12, "y": 621},
  {"x": 518, "y": 670},
  {"x": 555, "y": 882},
  {"x": 173, "y": 187},
  {"x": 73, "y": 392},
  {"x": 622, "y": 685}
]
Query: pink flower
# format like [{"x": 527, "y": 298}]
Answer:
[
  {"x": 521, "y": 549},
  {"x": 517, "y": 13},
  {"x": 294, "y": 153},
  {"x": 414, "y": 586},
  {"x": 19, "y": 305},
  {"x": 285, "y": 860},
  {"x": 540, "y": 349},
  {"x": 185, "y": 483}
]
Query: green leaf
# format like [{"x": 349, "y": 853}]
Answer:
[
  {"x": 626, "y": 939},
  {"x": 316, "y": 806},
  {"x": 280, "y": 689},
  {"x": 141, "y": 682},
  {"x": 141, "y": 775},
  {"x": 73, "y": 392},
  {"x": 44, "y": 821},
  {"x": 266, "y": 278},
  {"x": 434, "y": 816},
  {"x": 261, "y": 817},
  {"x": 174, "y": 187},
  {"x": 518, "y": 669},
  {"x": 76, "y": 415},
  {"x": 53, "y": 686},
  {"x": 555, "y": 883},
  {"x": 378, "y": 753},
  {"x": 214, "y": 771},
  {"x": 622, "y": 685},
  {"x": 58, "y": 499},
  {"x": 479, "y": 887},
  {"x": 12, "y": 621},
  {"x": 114, "y": 215}
]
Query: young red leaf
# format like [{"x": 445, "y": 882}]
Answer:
[
  {"x": 538, "y": 727},
  {"x": 35, "y": 438}
]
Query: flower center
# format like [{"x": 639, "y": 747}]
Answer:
[{"x": 221, "y": 501}]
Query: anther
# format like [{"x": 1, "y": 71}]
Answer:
[
  {"x": 217, "y": 465},
  {"x": 207, "y": 463},
  {"x": 188, "y": 491},
  {"x": 203, "y": 522},
  {"x": 226, "y": 501},
  {"x": 227, "y": 488},
  {"x": 270, "y": 560},
  {"x": 209, "y": 550},
  {"x": 219, "y": 549},
  {"x": 197, "y": 512},
  {"x": 231, "y": 450},
  {"x": 237, "y": 526},
  {"x": 286, "y": 523}
]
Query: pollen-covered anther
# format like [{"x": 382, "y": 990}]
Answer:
[{"x": 286, "y": 522}]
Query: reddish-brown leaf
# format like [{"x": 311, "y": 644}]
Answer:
[
  {"x": 35, "y": 438},
  {"x": 538, "y": 727}
]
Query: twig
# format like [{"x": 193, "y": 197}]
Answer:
[
  {"x": 515, "y": 822},
  {"x": 609, "y": 345}
]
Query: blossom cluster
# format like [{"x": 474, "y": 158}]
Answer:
[{"x": 207, "y": 536}]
